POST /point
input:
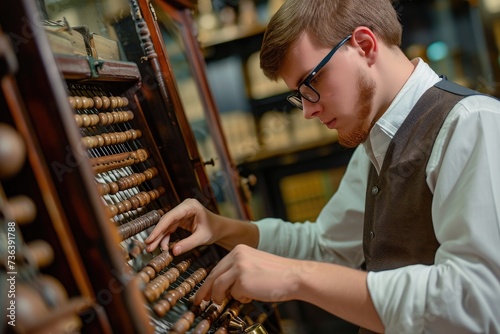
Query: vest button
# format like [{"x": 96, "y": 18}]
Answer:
[
  {"x": 375, "y": 190},
  {"x": 372, "y": 234}
]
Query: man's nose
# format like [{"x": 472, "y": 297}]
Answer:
[{"x": 309, "y": 109}]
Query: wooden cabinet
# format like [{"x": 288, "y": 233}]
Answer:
[{"x": 96, "y": 144}]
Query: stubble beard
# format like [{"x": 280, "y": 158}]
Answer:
[{"x": 364, "y": 104}]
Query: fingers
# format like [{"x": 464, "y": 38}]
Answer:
[
  {"x": 205, "y": 291},
  {"x": 168, "y": 223},
  {"x": 223, "y": 281},
  {"x": 178, "y": 216},
  {"x": 219, "y": 288},
  {"x": 165, "y": 242}
]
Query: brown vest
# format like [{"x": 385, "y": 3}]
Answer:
[{"x": 398, "y": 228}]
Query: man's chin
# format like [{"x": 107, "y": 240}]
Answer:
[{"x": 351, "y": 140}]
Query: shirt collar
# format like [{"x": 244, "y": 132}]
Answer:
[{"x": 381, "y": 134}]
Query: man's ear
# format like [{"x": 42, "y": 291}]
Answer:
[{"x": 366, "y": 43}]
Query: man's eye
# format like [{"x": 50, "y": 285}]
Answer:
[{"x": 316, "y": 78}]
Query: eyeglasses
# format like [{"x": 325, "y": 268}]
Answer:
[{"x": 305, "y": 90}]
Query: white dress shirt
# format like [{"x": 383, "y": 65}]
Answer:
[{"x": 460, "y": 293}]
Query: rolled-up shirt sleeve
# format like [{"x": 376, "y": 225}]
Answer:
[
  {"x": 460, "y": 293},
  {"x": 336, "y": 236}
]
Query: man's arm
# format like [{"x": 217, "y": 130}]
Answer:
[
  {"x": 247, "y": 274},
  {"x": 337, "y": 234}
]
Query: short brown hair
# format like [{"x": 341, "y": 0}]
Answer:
[{"x": 327, "y": 22}]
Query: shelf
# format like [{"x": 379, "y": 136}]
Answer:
[
  {"x": 292, "y": 154},
  {"x": 229, "y": 34},
  {"x": 88, "y": 68}
]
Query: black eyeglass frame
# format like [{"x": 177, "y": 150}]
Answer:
[{"x": 296, "y": 97}]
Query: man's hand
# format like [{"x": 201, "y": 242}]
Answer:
[
  {"x": 205, "y": 226},
  {"x": 191, "y": 216},
  {"x": 247, "y": 274}
]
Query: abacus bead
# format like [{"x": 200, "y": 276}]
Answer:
[
  {"x": 100, "y": 141},
  {"x": 202, "y": 327},
  {"x": 173, "y": 296},
  {"x": 113, "y": 138},
  {"x": 113, "y": 188},
  {"x": 125, "y": 101},
  {"x": 142, "y": 155},
  {"x": 182, "y": 266},
  {"x": 144, "y": 276},
  {"x": 165, "y": 304},
  {"x": 113, "y": 210},
  {"x": 116, "y": 116},
  {"x": 87, "y": 142},
  {"x": 94, "y": 119},
  {"x": 135, "y": 202},
  {"x": 157, "y": 192},
  {"x": 150, "y": 271},
  {"x": 185, "y": 285},
  {"x": 191, "y": 282},
  {"x": 110, "y": 118},
  {"x": 78, "y": 120},
  {"x": 170, "y": 276},
  {"x": 90, "y": 102},
  {"x": 97, "y": 102},
  {"x": 150, "y": 295},
  {"x": 107, "y": 139},
  {"x": 181, "y": 326},
  {"x": 85, "y": 120},
  {"x": 189, "y": 316},
  {"x": 78, "y": 102},
  {"x": 180, "y": 290},
  {"x": 122, "y": 184},
  {"x": 142, "y": 199},
  {"x": 71, "y": 101},
  {"x": 103, "y": 118},
  {"x": 128, "y": 205},
  {"x": 105, "y": 102},
  {"x": 22, "y": 208},
  {"x": 159, "y": 309},
  {"x": 113, "y": 102},
  {"x": 103, "y": 188},
  {"x": 85, "y": 102},
  {"x": 41, "y": 252},
  {"x": 121, "y": 207}
]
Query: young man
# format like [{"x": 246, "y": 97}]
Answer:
[{"x": 410, "y": 241}]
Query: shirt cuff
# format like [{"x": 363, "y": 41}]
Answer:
[
  {"x": 268, "y": 232},
  {"x": 399, "y": 296}
]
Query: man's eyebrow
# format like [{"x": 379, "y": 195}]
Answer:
[{"x": 303, "y": 77}]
